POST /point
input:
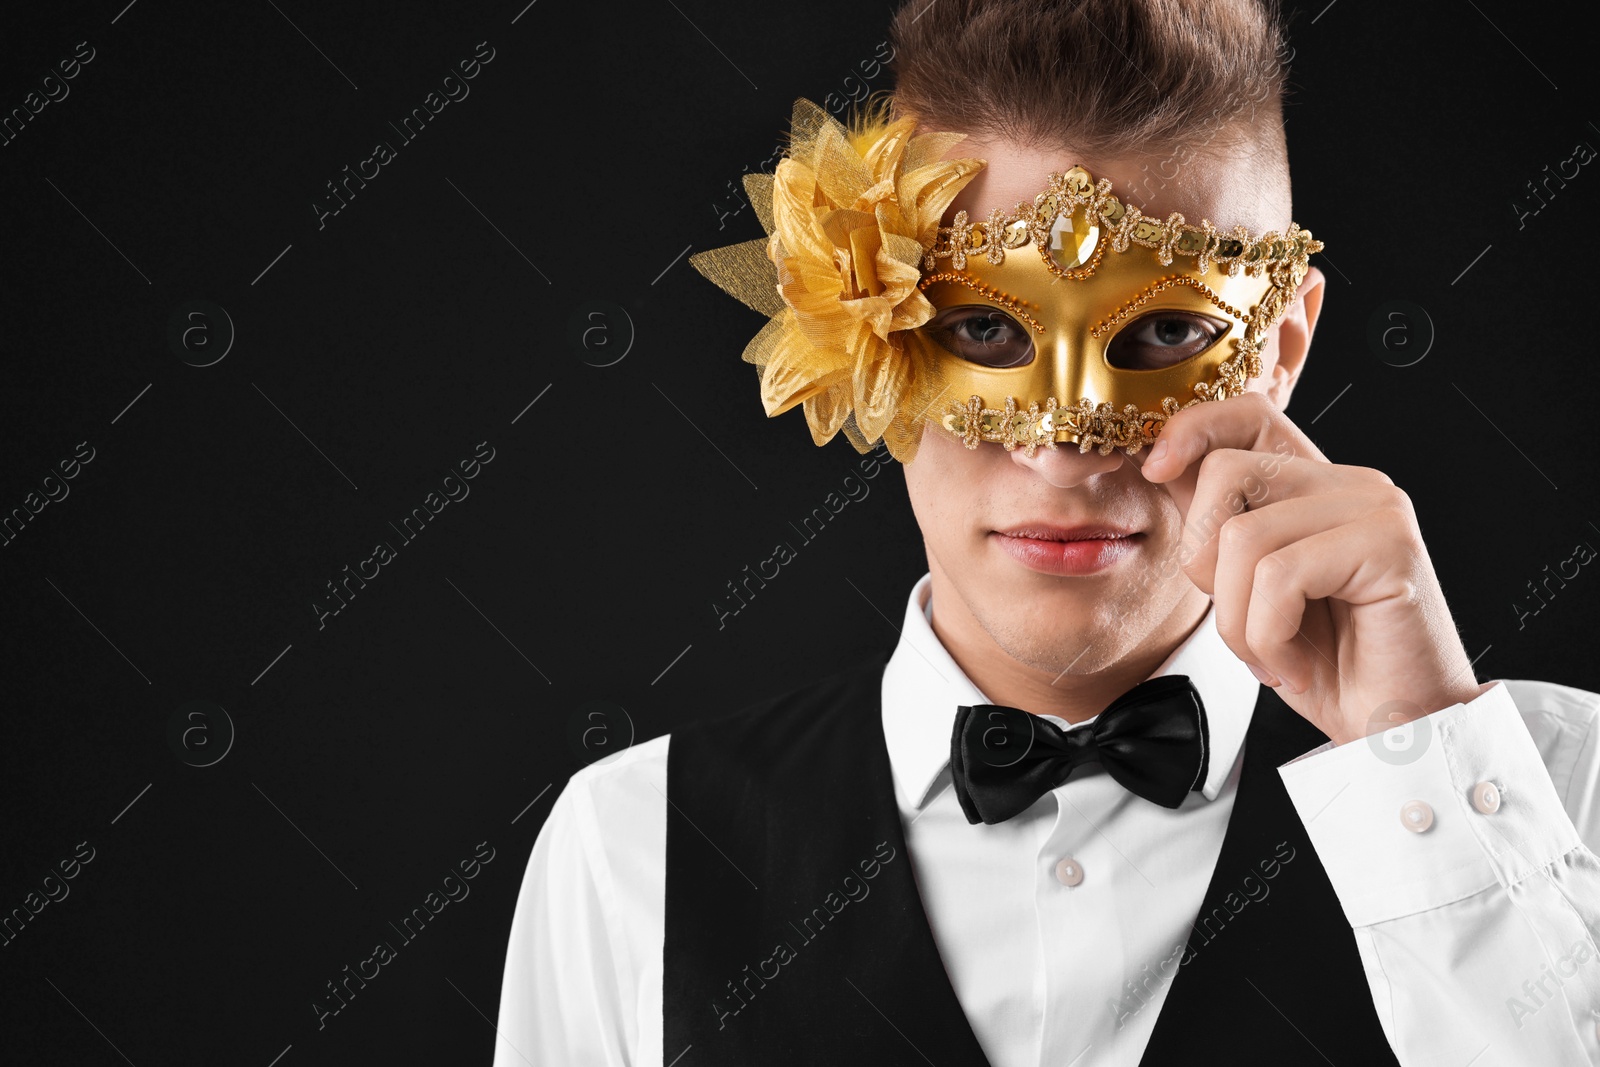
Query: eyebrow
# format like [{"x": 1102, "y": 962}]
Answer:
[
  {"x": 988, "y": 292},
  {"x": 1157, "y": 286}
]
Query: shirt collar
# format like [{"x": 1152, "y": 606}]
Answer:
[{"x": 923, "y": 686}]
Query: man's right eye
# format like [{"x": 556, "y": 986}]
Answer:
[{"x": 983, "y": 335}]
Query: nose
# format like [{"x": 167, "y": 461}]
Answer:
[{"x": 1064, "y": 466}]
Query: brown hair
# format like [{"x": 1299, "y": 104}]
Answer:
[{"x": 1106, "y": 76}]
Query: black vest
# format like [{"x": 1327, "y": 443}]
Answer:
[{"x": 795, "y": 933}]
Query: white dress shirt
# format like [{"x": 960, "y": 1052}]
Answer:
[{"x": 1459, "y": 847}]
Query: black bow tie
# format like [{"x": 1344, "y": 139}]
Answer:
[{"x": 1152, "y": 740}]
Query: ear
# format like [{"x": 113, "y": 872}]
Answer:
[{"x": 1294, "y": 336}]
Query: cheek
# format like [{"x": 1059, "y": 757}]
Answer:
[
  {"x": 946, "y": 485},
  {"x": 922, "y": 482}
]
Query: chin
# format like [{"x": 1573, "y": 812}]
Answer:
[
  {"x": 1084, "y": 645},
  {"x": 1061, "y": 606}
]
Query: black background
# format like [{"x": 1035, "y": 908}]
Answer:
[{"x": 444, "y": 706}]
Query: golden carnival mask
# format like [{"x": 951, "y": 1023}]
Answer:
[{"x": 1072, "y": 318}]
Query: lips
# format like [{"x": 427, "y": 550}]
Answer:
[
  {"x": 1063, "y": 551},
  {"x": 1047, "y": 532}
]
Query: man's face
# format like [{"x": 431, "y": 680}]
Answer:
[{"x": 1081, "y": 607}]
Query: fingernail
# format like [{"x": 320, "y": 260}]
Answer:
[
  {"x": 1158, "y": 450},
  {"x": 1263, "y": 677}
]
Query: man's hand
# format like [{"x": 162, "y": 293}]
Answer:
[{"x": 1317, "y": 570}]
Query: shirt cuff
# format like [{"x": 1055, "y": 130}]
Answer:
[{"x": 1430, "y": 811}]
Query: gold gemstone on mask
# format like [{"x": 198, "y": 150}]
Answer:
[{"x": 1072, "y": 239}]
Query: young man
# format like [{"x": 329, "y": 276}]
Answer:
[{"x": 1179, "y": 757}]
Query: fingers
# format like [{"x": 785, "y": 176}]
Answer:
[
  {"x": 1279, "y": 568},
  {"x": 1247, "y": 539},
  {"x": 1249, "y": 422},
  {"x": 1233, "y": 483}
]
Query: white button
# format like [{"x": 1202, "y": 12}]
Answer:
[
  {"x": 1486, "y": 798},
  {"x": 1415, "y": 815},
  {"x": 1068, "y": 872}
]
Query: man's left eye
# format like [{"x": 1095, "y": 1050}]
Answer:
[{"x": 1163, "y": 339}]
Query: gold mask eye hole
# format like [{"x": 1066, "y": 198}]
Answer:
[
  {"x": 982, "y": 334},
  {"x": 1164, "y": 338}
]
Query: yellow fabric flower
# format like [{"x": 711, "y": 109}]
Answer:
[{"x": 849, "y": 214}]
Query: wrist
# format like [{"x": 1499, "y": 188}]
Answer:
[{"x": 1400, "y": 712}]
